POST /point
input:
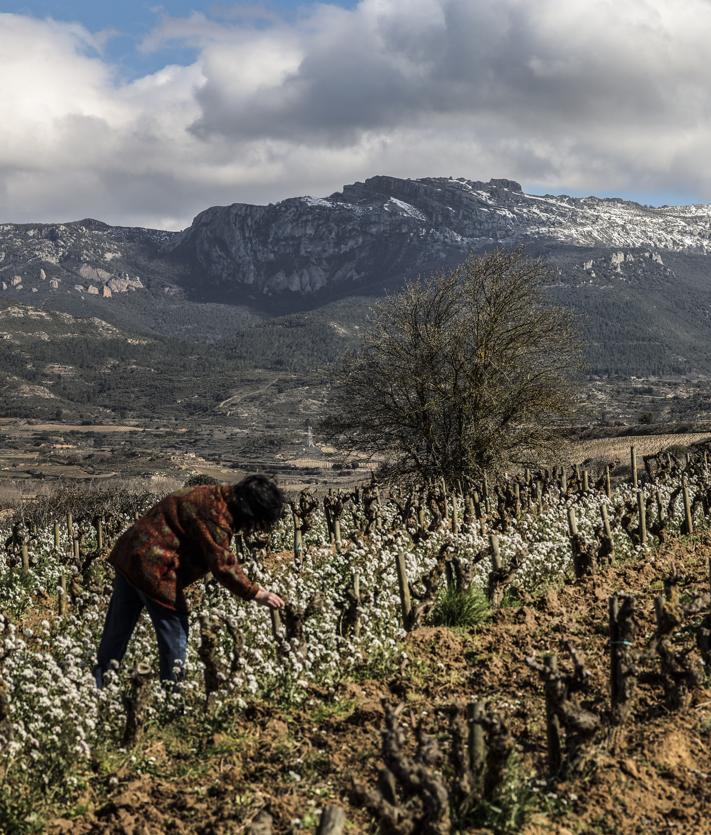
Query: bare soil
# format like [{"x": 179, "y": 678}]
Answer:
[{"x": 652, "y": 775}]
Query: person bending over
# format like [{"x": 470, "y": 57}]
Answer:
[{"x": 178, "y": 541}]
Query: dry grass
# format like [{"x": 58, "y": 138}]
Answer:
[
  {"x": 609, "y": 449},
  {"x": 106, "y": 428},
  {"x": 14, "y": 492}
]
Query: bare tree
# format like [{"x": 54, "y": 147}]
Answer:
[{"x": 459, "y": 373}]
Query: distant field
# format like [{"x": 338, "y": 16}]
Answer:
[
  {"x": 37, "y": 457},
  {"x": 109, "y": 428},
  {"x": 613, "y": 448}
]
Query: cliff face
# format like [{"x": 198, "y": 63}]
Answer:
[
  {"x": 386, "y": 229},
  {"x": 368, "y": 236},
  {"x": 304, "y": 245}
]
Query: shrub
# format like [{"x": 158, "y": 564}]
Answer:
[{"x": 462, "y": 372}]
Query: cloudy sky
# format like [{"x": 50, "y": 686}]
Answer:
[{"x": 142, "y": 114}]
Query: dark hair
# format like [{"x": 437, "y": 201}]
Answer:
[{"x": 257, "y": 503}]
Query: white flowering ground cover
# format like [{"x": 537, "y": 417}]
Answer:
[{"x": 55, "y": 726}]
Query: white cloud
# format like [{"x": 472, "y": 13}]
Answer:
[{"x": 587, "y": 95}]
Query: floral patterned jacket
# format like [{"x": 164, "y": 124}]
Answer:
[{"x": 182, "y": 538}]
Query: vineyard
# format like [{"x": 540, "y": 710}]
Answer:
[{"x": 530, "y": 653}]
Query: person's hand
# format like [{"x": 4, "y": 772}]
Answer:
[{"x": 268, "y": 598}]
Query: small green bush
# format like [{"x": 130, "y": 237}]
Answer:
[{"x": 461, "y": 608}]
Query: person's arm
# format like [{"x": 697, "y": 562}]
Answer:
[{"x": 215, "y": 544}]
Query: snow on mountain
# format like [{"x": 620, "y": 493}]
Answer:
[
  {"x": 386, "y": 229},
  {"x": 369, "y": 235}
]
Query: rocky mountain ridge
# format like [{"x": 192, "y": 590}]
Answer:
[
  {"x": 84, "y": 257},
  {"x": 370, "y": 235},
  {"x": 386, "y": 229}
]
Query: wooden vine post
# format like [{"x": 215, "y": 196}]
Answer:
[
  {"x": 642, "y": 513},
  {"x": 24, "y": 548},
  {"x": 100, "y": 533},
  {"x": 495, "y": 552},
  {"x": 633, "y": 465},
  {"x": 555, "y": 758},
  {"x": 136, "y": 703},
  {"x": 277, "y": 628},
  {"x": 688, "y": 517},
  {"x": 572, "y": 522},
  {"x": 450, "y": 576},
  {"x": 498, "y": 577},
  {"x": 404, "y": 585},
  {"x": 477, "y": 744},
  {"x": 338, "y": 542},
  {"x": 355, "y": 589},
  {"x": 56, "y": 536},
  {"x": 586, "y": 481},
  {"x": 622, "y": 669},
  {"x": 378, "y": 505},
  {"x": 455, "y": 514},
  {"x": 62, "y": 599},
  {"x": 606, "y": 529},
  {"x": 329, "y": 517},
  {"x": 298, "y": 542},
  {"x": 608, "y": 482},
  {"x": 298, "y": 521},
  {"x": 472, "y": 508},
  {"x": 445, "y": 502},
  {"x": 70, "y": 526}
]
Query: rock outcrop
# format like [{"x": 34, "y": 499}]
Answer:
[{"x": 86, "y": 254}]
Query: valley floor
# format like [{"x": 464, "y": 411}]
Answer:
[{"x": 37, "y": 458}]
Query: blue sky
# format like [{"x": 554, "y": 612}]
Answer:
[
  {"x": 146, "y": 114},
  {"x": 129, "y": 22}
]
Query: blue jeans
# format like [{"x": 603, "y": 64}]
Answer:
[{"x": 126, "y": 605}]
